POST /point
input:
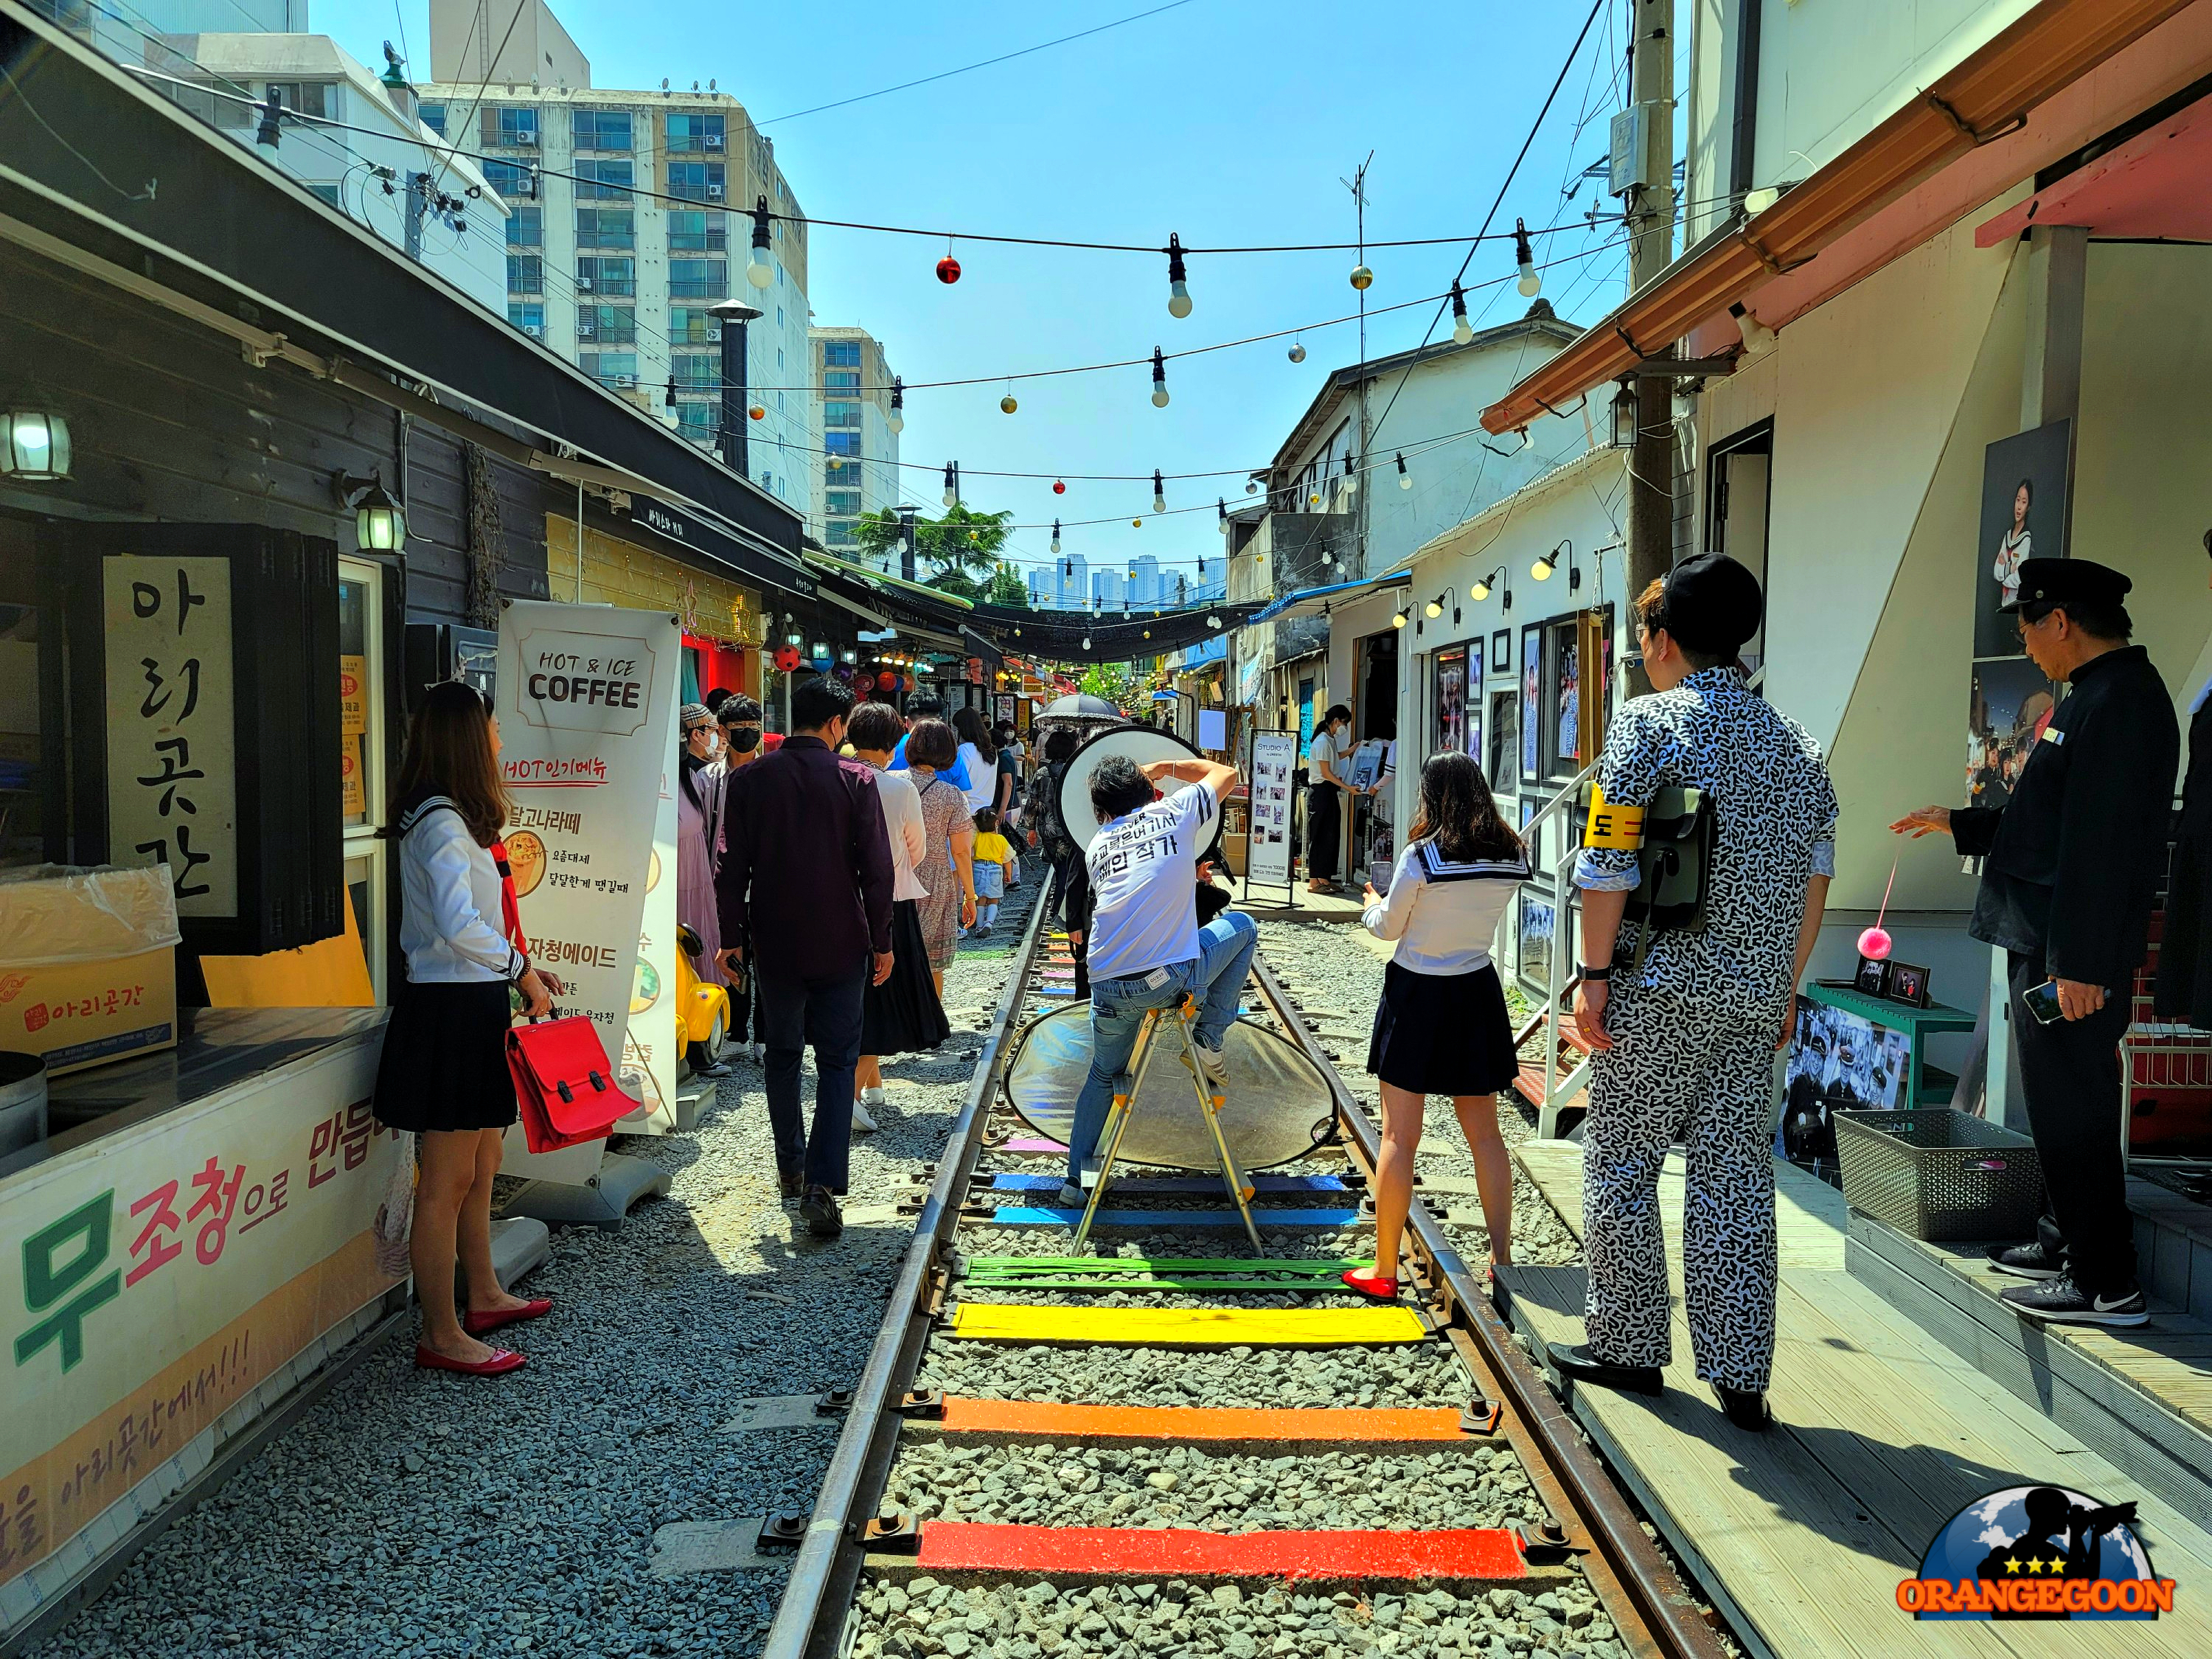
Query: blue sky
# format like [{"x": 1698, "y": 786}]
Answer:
[{"x": 1223, "y": 120}]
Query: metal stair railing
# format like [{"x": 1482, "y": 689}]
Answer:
[{"x": 1563, "y": 972}]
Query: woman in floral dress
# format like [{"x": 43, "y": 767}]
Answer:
[{"x": 948, "y": 860}]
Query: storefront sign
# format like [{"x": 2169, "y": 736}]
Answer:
[
  {"x": 353, "y": 695},
  {"x": 172, "y": 733},
  {"x": 587, "y": 700},
  {"x": 689, "y": 530},
  {"x": 1274, "y": 769},
  {"x": 650, "y": 1047},
  {"x": 155, "y": 1279}
]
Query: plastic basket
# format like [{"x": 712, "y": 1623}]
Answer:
[{"x": 1940, "y": 1173}]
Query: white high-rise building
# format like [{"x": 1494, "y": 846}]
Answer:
[
  {"x": 631, "y": 217},
  {"x": 857, "y": 472},
  {"x": 1145, "y": 582}
]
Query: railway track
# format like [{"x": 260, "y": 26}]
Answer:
[{"x": 1170, "y": 1446}]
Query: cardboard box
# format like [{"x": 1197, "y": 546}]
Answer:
[
  {"x": 87, "y": 965},
  {"x": 81, "y": 1013}
]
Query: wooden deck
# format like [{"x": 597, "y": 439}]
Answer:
[{"x": 1883, "y": 1434}]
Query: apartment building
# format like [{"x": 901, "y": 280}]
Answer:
[
  {"x": 353, "y": 138},
  {"x": 858, "y": 459},
  {"x": 630, "y": 220}
]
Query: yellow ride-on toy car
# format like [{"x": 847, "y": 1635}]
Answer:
[{"x": 702, "y": 1008}]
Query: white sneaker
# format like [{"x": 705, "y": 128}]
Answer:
[
  {"x": 872, "y": 1096},
  {"x": 862, "y": 1121},
  {"x": 1212, "y": 1061}
]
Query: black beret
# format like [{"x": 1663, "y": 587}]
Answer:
[
  {"x": 1712, "y": 604},
  {"x": 2069, "y": 582}
]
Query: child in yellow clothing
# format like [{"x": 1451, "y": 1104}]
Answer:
[{"x": 994, "y": 869}]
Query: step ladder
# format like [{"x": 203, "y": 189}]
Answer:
[{"x": 1150, "y": 1044}]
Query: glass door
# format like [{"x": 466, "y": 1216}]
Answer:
[{"x": 365, "y": 789}]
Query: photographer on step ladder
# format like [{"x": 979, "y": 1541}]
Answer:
[{"x": 1144, "y": 947}]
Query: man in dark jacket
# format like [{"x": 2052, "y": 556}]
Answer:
[
  {"x": 806, "y": 878},
  {"x": 2070, "y": 867}
]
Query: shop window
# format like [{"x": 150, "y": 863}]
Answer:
[{"x": 1738, "y": 468}]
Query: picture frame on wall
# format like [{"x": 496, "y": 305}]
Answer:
[
  {"x": 1448, "y": 704},
  {"x": 1501, "y": 651},
  {"x": 1532, "y": 701},
  {"x": 1504, "y": 766},
  {"x": 1536, "y": 919}
]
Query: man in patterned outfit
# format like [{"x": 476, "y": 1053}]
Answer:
[{"x": 1684, "y": 1046}]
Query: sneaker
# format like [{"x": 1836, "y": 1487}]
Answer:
[
  {"x": 2062, "y": 1302},
  {"x": 862, "y": 1123},
  {"x": 982, "y": 932},
  {"x": 2024, "y": 1260},
  {"x": 872, "y": 1097},
  {"x": 791, "y": 1182},
  {"x": 1071, "y": 1197},
  {"x": 818, "y": 1210},
  {"x": 1212, "y": 1061}
]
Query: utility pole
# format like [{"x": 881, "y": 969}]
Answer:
[
  {"x": 418, "y": 203},
  {"x": 1651, "y": 205},
  {"x": 1358, "y": 185}
]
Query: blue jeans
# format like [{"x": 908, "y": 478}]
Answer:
[{"x": 1215, "y": 977}]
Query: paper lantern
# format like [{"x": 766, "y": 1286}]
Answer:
[
  {"x": 843, "y": 673},
  {"x": 864, "y": 682},
  {"x": 786, "y": 659},
  {"x": 890, "y": 683}
]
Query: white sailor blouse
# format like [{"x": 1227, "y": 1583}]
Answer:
[
  {"x": 1443, "y": 912},
  {"x": 1774, "y": 829}
]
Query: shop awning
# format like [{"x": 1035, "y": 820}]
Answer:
[
  {"x": 1988, "y": 95},
  {"x": 2151, "y": 188},
  {"x": 884, "y": 580},
  {"x": 1312, "y": 601}
]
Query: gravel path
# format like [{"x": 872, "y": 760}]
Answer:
[
  {"x": 414, "y": 1514},
  {"x": 1427, "y": 1375},
  {"x": 1183, "y": 1622}
]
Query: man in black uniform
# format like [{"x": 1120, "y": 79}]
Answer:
[{"x": 2070, "y": 868}]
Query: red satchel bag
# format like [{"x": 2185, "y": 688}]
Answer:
[{"x": 565, "y": 1090}]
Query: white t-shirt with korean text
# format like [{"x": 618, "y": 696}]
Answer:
[{"x": 1143, "y": 884}]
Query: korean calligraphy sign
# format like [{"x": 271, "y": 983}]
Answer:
[{"x": 172, "y": 733}]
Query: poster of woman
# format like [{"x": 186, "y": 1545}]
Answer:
[
  {"x": 1532, "y": 701},
  {"x": 2024, "y": 483},
  {"x": 1451, "y": 699}
]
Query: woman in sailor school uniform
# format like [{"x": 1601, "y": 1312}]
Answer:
[
  {"x": 444, "y": 1074},
  {"x": 1442, "y": 1027}
]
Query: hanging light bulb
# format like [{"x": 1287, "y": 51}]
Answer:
[
  {"x": 669, "y": 401},
  {"x": 1313, "y": 498},
  {"x": 1059, "y": 486},
  {"x": 1479, "y": 592},
  {"x": 1297, "y": 351},
  {"x": 1221, "y": 508},
  {"x": 951, "y": 484},
  {"x": 1625, "y": 416},
  {"x": 1362, "y": 278},
  {"x": 898, "y": 405},
  {"x": 948, "y": 268},
  {"x": 1351, "y": 477},
  {"x": 1757, "y": 336},
  {"x": 1055, "y": 536},
  {"x": 269, "y": 131},
  {"x": 1213, "y": 621},
  {"x": 1463, "y": 329},
  {"x": 1202, "y": 567},
  {"x": 1178, "y": 288},
  {"x": 1405, "y": 478},
  {"x": 758, "y": 271},
  {"x": 1136, "y": 524},
  {"x": 1527, "y": 442},
  {"x": 1251, "y": 486},
  {"x": 1434, "y": 608},
  {"x": 1532, "y": 279},
  {"x": 1159, "y": 494},
  {"x": 1007, "y": 405},
  {"x": 1159, "y": 379}
]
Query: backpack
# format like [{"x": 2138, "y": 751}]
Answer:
[{"x": 1041, "y": 811}]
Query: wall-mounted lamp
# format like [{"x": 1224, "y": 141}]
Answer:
[
  {"x": 35, "y": 445},
  {"x": 1547, "y": 562},
  {"x": 379, "y": 524},
  {"x": 1480, "y": 590}
]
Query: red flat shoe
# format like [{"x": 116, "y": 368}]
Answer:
[
  {"x": 476, "y": 1324},
  {"x": 1379, "y": 1290},
  {"x": 503, "y": 1360}
]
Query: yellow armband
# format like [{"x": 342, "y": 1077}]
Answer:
[{"x": 1610, "y": 825}]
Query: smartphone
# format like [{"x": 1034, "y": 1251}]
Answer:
[{"x": 2042, "y": 1001}]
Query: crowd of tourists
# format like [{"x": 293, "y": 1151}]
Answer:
[{"x": 830, "y": 875}]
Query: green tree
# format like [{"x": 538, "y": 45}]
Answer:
[
  {"x": 1006, "y": 589},
  {"x": 960, "y": 550},
  {"x": 1117, "y": 682}
]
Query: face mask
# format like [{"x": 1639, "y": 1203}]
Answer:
[{"x": 742, "y": 739}]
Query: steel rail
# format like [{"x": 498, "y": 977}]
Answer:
[
  {"x": 1655, "y": 1595},
  {"x": 817, "y": 1596}
]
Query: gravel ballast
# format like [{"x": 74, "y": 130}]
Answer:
[{"x": 413, "y": 1514}]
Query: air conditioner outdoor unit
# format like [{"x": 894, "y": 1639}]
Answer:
[
  {"x": 526, "y": 140},
  {"x": 584, "y": 330},
  {"x": 584, "y": 285},
  {"x": 535, "y": 330},
  {"x": 627, "y": 382},
  {"x": 713, "y": 141},
  {"x": 714, "y": 193},
  {"x": 714, "y": 332}
]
